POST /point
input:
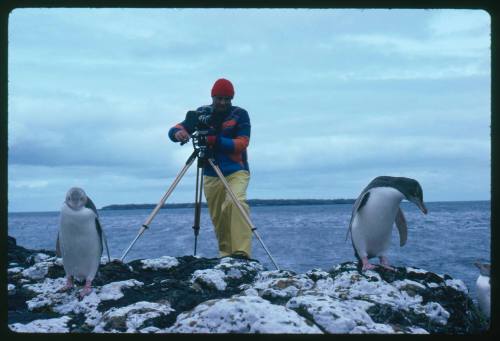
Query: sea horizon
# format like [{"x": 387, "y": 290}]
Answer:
[{"x": 301, "y": 202}]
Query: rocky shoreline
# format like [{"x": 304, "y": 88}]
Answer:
[
  {"x": 199, "y": 295},
  {"x": 250, "y": 202}
]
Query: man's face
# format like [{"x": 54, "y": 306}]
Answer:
[{"x": 221, "y": 103}]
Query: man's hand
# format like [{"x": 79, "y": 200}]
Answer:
[{"x": 182, "y": 136}]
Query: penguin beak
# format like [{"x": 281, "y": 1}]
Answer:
[
  {"x": 422, "y": 207},
  {"x": 420, "y": 204}
]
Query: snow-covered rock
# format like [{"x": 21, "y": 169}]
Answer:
[
  {"x": 199, "y": 295},
  {"x": 242, "y": 314}
]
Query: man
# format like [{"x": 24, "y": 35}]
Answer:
[{"x": 230, "y": 126}]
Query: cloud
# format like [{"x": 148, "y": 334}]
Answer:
[
  {"x": 336, "y": 97},
  {"x": 465, "y": 47},
  {"x": 317, "y": 154},
  {"x": 29, "y": 184}
]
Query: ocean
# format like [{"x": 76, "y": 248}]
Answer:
[{"x": 448, "y": 240}]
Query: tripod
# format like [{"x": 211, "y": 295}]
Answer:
[{"x": 203, "y": 154}]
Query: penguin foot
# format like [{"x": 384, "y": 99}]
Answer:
[
  {"x": 388, "y": 267},
  {"x": 366, "y": 265},
  {"x": 385, "y": 264},
  {"x": 84, "y": 292},
  {"x": 87, "y": 289}
]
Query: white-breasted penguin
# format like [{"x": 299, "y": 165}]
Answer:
[
  {"x": 80, "y": 239},
  {"x": 483, "y": 288},
  {"x": 374, "y": 213}
]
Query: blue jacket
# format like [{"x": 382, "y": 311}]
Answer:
[{"x": 232, "y": 138}]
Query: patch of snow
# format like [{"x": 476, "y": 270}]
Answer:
[
  {"x": 210, "y": 277},
  {"x": 15, "y": 270},
  {"x": 46, "y": 291},
  {"x": 333, "y": 315},
  {"x": 234, "y": 262},
  {"x": 401, "y": 285},
  {"x": 39, "y": 257},
  {"x": 135, "y": 315},
  {"x": 376, "y": 328},
  {"x": 234, "y": 273},
  {"x": 164, "y": 262},
  {"x": 113, "y": 291},
  {"x": 285, "y": 286},
  {"x": 415, "y": 270},
  {"x": 457, "y": 284},
  {"x": 55, "y": 325},
  {"x": 37, "y": 271},
  {"x": 250, "y": 292},
  {"x": 38, "y": 302},
  {"x": 11, "y": 289},
  {"x": 318, "y": 274},
  {"x": 326, "y": 285},
  {"x": 235, "y": 268},
  {"x": 49, "y": 285},
  {"x": 336, "y": 267},
  {"x": 435, "y": 312},
  {"x": 242, "y": 314}
]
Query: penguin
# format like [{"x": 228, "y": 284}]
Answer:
[
  {"x": 374, "y": 213},
  {"x": 483, "y": 288},
  {"x": 80, "y": 239}
]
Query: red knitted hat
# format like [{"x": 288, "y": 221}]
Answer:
[{"x": 223, "y": 87}]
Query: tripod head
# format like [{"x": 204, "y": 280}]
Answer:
[{"x": 199, "y": 138}]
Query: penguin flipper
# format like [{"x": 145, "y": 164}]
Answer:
[
  {"x": 402, "y": 227},
  {"x": 58, "y": 247},
  {"x": 99, "y": 232},
  {"x": 102, "y": 236},
  {"x": 360, "y": 202},
  {"x": 90, "y": 205}
]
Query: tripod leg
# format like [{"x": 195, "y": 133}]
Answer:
[
  {"x": 197, "y": 209},
  {"x": 183, "y": 171},
  {"x": 241, "y": 209}
]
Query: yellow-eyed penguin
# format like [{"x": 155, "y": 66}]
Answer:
[
  {"x": 80, "y": 239},
  {"x": 483, "y": 288},
  {"x": 374, "y": 213}
]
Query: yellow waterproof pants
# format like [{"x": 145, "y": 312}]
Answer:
[{"x": 232, "y": 232}]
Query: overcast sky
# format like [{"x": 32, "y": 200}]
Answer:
[{"x": 335, "y": 98}]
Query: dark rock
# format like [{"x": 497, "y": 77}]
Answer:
[{"x": 383, "y": 313}]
